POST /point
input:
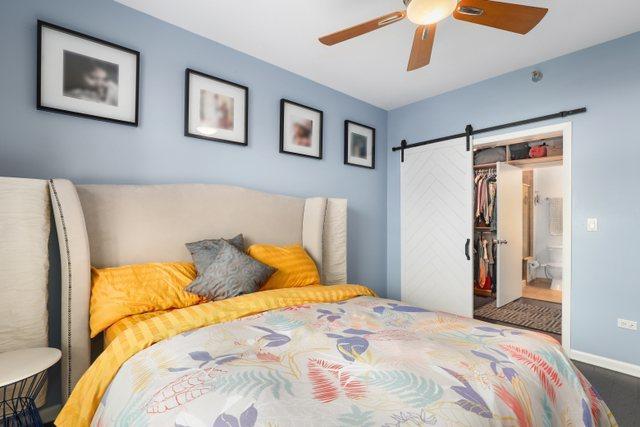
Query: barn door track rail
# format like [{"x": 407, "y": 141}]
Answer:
[{"x": 470, "y": 131}]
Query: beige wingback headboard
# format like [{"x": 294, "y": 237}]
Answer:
[
  {"x": 25, "y": 223},
  {"x": 110, "y": 225}
]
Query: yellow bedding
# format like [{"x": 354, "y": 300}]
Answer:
[
  {"x": 86, "y": 396},
  {"x": 123, "y": 324},
  {"x": 118, "y": 292},
  {"x": 294, "y": 267}
]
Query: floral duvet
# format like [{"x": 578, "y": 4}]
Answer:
[{"x": 361, "y": 362}]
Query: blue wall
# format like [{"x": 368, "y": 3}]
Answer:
[
  {"x": 40, "y": 144},
  {"x": 43, "y": 145},
  {"x": 605, "y": 175}
]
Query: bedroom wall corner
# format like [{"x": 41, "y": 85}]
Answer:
[{"x": 604, "y": 78}]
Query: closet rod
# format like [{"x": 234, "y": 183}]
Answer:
[{"x": 404, "y": 146}]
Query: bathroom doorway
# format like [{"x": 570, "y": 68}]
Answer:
[
  {"x": 542, "y": 233},
  {"x": 522, "y": 249}
]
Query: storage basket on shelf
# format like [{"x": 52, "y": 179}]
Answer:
[
  {"x": 490, "y": 155},
  {"x": 519, "y": 151}
]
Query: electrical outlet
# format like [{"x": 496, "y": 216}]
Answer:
[{"x": 628, "y": 324}]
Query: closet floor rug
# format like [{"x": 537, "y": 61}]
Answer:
[{"x": 546, "y": 318}]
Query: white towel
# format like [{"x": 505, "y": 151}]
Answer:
[{"x": 555, "y": 216}]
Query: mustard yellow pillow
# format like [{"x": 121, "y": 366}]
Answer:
[
  {"x": 119, "y": 292},
  {"x": 295, "y": 268}
]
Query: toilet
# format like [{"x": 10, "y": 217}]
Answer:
[{"x": 553, "y": 267}]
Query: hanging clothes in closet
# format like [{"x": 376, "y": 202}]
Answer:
[
  {"x": 485, "y": 197},
  {"x": 485, "y": 264},
  {"x": 486, "y": 225}
]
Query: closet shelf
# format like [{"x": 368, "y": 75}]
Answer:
[
  {"x": 548, "y": 159},
  {"x": 523, "y": 162},
  {"x": 485, "y": 166}
]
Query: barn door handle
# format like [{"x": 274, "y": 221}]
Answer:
[{"x": 466, "y": 249}]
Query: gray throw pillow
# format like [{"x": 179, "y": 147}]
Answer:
[
  {"x": 231, "y": 273},
  {"x": 205, "y": 251}
]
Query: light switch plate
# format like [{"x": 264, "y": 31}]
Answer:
[
  {"x": 592, "y": 224},
  {"x": 628, "y": 324}
]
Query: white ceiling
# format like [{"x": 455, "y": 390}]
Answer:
[{"x": 372, "y": 67}]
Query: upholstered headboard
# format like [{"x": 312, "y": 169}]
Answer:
[
  {"x": 111, "y": 225},
  {"x": 25, "y": 223}
]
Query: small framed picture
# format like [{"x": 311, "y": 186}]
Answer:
[
  {"x": 87, "y": 77},
  {"x": 300, "y": 130},
  {"x": 359, "y": 145},
  {"x": 215, "y": 109}
]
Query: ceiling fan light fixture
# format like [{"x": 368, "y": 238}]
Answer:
[{"x": 426, "y": 12}]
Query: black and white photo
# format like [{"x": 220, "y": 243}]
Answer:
[
  {"x": 300, "y": 129},
  {"x": 90, "y": 79},
  {"x": 359, "y": 145},
  {"x": 215, "y": 109},
  {"x": 84, "y": 76}
]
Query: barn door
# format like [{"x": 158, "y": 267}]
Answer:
[{"x": 436, "y": 221}]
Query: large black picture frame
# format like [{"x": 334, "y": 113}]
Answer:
[{"x": 41, "y": 106}]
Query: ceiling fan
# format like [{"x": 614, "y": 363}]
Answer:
[{"x": 427, "y": 13}]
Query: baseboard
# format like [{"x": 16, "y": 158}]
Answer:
[
  {"x": 49, "y": 413},
  {"x": 605, "y": 362}
]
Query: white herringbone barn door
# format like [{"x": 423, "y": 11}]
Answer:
[{"x": 436, "y": 221}]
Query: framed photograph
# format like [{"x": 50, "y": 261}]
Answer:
[
  {"x": 359, "y": 145},
  {"x": 215, "y": 109},
  {"x": 87, "y": 77},
  {"x": 300, "y": 130}
]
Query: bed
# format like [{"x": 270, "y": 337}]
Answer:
[{"x": 331, "y": 354}]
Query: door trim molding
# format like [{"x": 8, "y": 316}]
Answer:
[{"x": 563, "y": 129}]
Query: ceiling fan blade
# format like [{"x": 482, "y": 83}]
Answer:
[
  {"x": 360, "y": 29},
  {"x": 422, "y": 46},
  {"x": 504, "y": 16}
]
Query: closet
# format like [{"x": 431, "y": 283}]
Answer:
[
  {"x": 501, "y": 248},
  {"x": 485, "y": 228}
]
